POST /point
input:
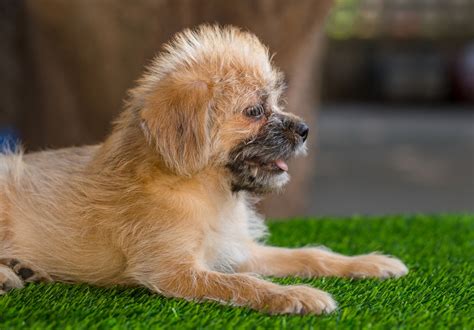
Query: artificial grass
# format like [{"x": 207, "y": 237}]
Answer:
[{"x": 437, "y": 293}]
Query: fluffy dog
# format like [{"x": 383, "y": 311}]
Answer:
[{"x": 166, "y": 202}]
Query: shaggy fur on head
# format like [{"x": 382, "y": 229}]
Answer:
[{"x": 166, "y": 202}]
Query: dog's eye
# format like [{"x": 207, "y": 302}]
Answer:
[{"x": 255, "y": 111}]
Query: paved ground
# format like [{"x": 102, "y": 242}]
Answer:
[{"x": 376, "y": 160}]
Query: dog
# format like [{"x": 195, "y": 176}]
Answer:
[{"x": 167, "y": 201}]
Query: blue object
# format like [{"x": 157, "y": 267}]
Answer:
[{"x": 9, "y": 139}]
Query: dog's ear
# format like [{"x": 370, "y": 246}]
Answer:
[{"x": 176, "y": 120}]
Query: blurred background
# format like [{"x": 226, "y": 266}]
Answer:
[{"x": 387, "y": 87}]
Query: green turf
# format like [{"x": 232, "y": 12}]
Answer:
[{"x": 437, "y": 293}]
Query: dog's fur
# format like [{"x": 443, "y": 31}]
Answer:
[{"x": 166, "y": 202}]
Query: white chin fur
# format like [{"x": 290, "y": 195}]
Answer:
[{"x": 280, "y": 180}]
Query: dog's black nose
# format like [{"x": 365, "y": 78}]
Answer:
[{"x": 302, "y": 129}]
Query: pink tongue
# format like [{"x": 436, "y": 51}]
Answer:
[{"x": 281, "y": 164}]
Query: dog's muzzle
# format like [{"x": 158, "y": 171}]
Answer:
[{"x": 259, "y": 164}]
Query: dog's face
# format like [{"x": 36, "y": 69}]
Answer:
[
  {"x": 258, "y": 138},
  {"x": 213, "y": 100}
]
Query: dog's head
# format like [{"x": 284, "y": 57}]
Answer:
[{"x": 212, "y": 99}]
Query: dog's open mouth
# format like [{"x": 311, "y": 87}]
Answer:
[{"x": 278, "y": 165}]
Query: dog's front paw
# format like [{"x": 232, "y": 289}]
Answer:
[
  {"x": 299, "y": 299},
  {"x": 376, "y": 265}
]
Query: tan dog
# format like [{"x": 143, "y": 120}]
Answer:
[{"x": 166, "y": 202}]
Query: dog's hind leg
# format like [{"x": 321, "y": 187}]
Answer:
[
  {"x": 9, "y": 280},
  {"x": 25, "y": 271}
]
